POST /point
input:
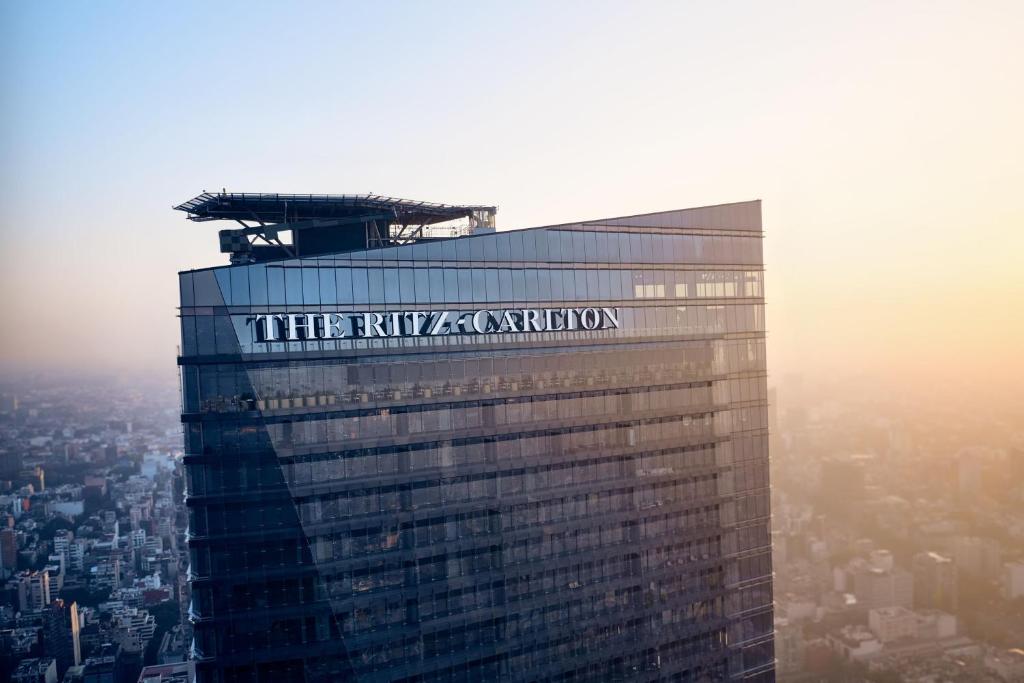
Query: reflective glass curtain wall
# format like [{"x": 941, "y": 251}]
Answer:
[{"x": 523, "y": 504}]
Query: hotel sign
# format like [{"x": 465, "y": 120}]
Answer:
[{"x": 281, "y": 327}]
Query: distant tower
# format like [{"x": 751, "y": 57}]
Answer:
[
  {"x": 935, "y": 582},
  {"x": 61, "y": 635},
  {"x": 968, "y": 472}
]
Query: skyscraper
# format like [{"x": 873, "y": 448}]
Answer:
[
  {"x": 524, "y": 455},
  {"x": 935, "y": 582},
  {"x": 61, "y": 634}
]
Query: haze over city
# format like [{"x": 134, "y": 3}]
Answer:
[
  {"x": 884, "y": 141},
  {"x": 552, "y": 454}
]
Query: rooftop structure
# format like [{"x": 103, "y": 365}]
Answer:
[{"x": 328, "y": 223}]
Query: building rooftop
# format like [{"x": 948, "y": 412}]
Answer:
[
  {"x": 289, "y": 208},
  {"x": 326, "y": 223}
]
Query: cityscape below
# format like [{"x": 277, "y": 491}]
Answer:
[
  {"x": 132, "y": 549},
  {"x": 407, "y": 363},
  {"x": 898, "y": 534}
]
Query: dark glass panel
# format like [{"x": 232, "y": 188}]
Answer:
[
  {"x": 223, "y": 276},
  {"x": 421, "y": 284},
  {"x": 275, "y": 286},
  {"x": 328, "y": 286},
  {"x": 293, "y": 286},
  {"x": 375, "y": 279},
  {"x": 343, "y": 280},
  {"x": 311, "y": 286},
  {"x": 360, "y": 286},
  {"x": 207, "y": 291},
  {"x": 437, "y": 289},
  {"x": 185, "y": 288}
]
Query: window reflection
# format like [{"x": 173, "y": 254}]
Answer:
[{"x": 388, "y": 487}]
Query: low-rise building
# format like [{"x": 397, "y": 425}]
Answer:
[
  {"x": 1013, "y": 580},
  {"x": 854, "y": 643},
  {"x": 892, "y": 623},
  {"x": 35, "y": 670}
]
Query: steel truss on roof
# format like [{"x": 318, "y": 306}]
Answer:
[
  {"x": 384, "y": 220},
  {"x": 287, "y": 208}
]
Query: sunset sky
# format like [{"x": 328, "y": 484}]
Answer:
[{"x": 886, "y": 140}]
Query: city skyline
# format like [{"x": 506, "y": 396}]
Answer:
[{"x": 777, "y": 436}]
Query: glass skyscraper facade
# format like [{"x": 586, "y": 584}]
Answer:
[{"x": 529, "y": 455}]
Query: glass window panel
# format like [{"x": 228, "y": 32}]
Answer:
[
  {"x": 614, "y": 278},
  {"x": 479, "y": 287},
  {"x": 293, "y": 286},
  {"x": 593, "y": 284},
  {"x": 421, "y": 281},
  {"x": 451, "y": 285},
  {"x": 493, "y": 288},
  {"x": 227, "y": 343},
  {"x": 626, "y": 284},
  {"x": 490, "y": 248},
  {"x": 686, "y": 249},
  {"x": 674, "y": 245},
  {"x": 449, "y": 250},
  {"x": 188, "y": 335},
  {"x": 532, "y": 293},
  {"x": 603, "y": 247},
  {"x": 541, "y": 248},
  {"x": 590, "y": 245},
  {"x": 207, "y": 291},
  {"x": 206, "y": 340},
  {"x": 504, "y": 242},
  {"x": 436, "y": 276},
  {"x": 569, "y": 284},
  {"x": 223, "y": 276},
  {"x": 518, "y": 286},
  {"x": 462, "y": 248},
  {"x": 275, "y": 286},
  {"x": 699, "y": 243},
  {"x": 406, "y": 286},
  {"x": 756, "y": 250},
  {"x": 579, "y": 248},
  {"x": 505, "y": 284},
  {"x": 678, "y": 287},
  {"x": 621, "y": 246},
  {"x": 343, "y": 281},
  {"x": 392, "y": 286},
  {"x": 416, "y": 252},
  {"x": 663, "y": 249},
  {"x": 552, "y": 251},
  {"x": 581, "y": 284},
  {"x": 635, "y": 248},
  {"x": 185, "y": 286},
  {"x": 465, "y": 276},
  {"x": 555, "y": 285},
  {"x": 476, "y": 248},
  {"x": 258, "y": 285},
  {"x": 647, "y": 247},
  {"x": 360, "y": 286},
  {"x": 529, "y": 245},
  {"x": 604, "y": 284},
  {"x": 311, "y": 286},
  {"x": 436, "y": 250},
  {"x": 328, "y": 286},
  {"x": 375, "y": 278},
  {"x": 515, "y": 245},
  {"x": 566, "y": 247}
]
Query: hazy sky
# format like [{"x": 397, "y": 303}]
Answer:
[{"x": 884, "y": 138}]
